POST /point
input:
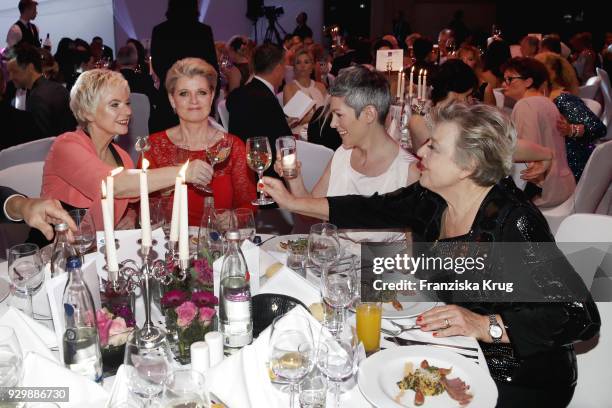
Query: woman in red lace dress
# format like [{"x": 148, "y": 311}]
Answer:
[{"x": 191, "y": 88}]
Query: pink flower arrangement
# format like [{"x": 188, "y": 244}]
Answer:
[
  {"x": 202, "y": 299},
  {"x": 186, "y": 313},
  {"x": 203, "y": 272},
  {"x": 174, "y": 298},
  {"x": 206, "y": 315},
  {"x": 113, "y": 330}
]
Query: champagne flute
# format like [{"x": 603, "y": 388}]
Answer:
[
  {"x": 259, "y": 158},
  {"x": 86, "y": 232},
  {"x": 245, "y": 223},
  {"x": 26, "y": 271},
  {"x": 291, "y": 351},
  {"x": 11, "y": 360},
  {"x": 146, "y": 367},
  {"x": 218, "y": 153}
]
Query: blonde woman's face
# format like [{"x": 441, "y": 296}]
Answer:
[
  {"x": 303, "y": 66},
  {"x": 469, "y": 59},
  {"x": 192, "y": 99},
  {"x": 112, "y": 115}
]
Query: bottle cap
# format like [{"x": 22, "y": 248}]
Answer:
[
  {"x": 73, "y": 262},
  {"x": 232, "y": 235},
  {"x": 61, "y": 227}
]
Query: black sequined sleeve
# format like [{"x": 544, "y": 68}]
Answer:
[
  {"x": 537, "y": 327},
  {"x": 576, "y": 112}
]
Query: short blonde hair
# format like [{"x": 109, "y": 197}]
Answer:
[
  {"x": 560, "y": 71},
  {"x": 87, "y": 90},
  {"x": 190, "y": 67},
  {"x": 486, "y": 140}
]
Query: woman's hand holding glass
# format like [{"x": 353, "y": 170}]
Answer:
[{"x": 199, "y": 173}]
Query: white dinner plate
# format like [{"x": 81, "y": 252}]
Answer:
[
  {"x": 409, "y": 309},
  {"x": 379, "y": 374},
  {"x": 273, "y": 244}
]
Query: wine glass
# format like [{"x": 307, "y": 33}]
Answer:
[
  {"x": 245, "y": 223},
  {"x": 221, "y": 221},
  {"x": 323, "y": 245},
  {"x": 218, "y": 153},
  {"x": 336, "y": 357},
  {"x": 259, "y": 158},
  {"x": 291, "y": 351},
  {"x": 26, "y": 271},
  {"x": 146, "y": 367},
  {"x": 338, "y": 288},
  {"x": 185, "y": 388},
  {"x": 11, "y": 361},
  {"x": 86, "y": 232},
  {"x": 181, "y": 154}
]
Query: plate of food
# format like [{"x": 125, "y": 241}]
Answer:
[
  {"x": 402, "y": 310},
  {"x": 425, "y": 376},
  {"x": 280, "y": 243}
]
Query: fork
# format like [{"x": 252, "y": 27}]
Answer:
[{"x": 400, "y": 331}]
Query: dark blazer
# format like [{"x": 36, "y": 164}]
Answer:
[
  {"x": 5, "y": 192},
  {"x": 17, "y": 126},
  {"x": 170, "y": 42},
  {"x": 48, "y": 102},
  {"x": 140, "y": 82},
  {"x": 255, "y": 111}
]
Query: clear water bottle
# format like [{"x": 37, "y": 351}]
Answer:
[
  {"x": 81, "y": 342},
  {"x": 62, "y": 250},
  {"x": 235, "y": 312}
]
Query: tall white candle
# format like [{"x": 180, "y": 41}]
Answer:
[
  {"x": 402, "y": 86},
  {"x": 410, "y": 84},
  {"x": 183, "y": 224},
  {"x": 176, "y": 206},
  {"x": 399, "y": 83},
  {"x": 424, "y": 92},
  {"x": 420, "y": 85},
  {"x": 109, "y": 237},
  {"x": 110, "y": 192},
  {"x": 145, "y": 218}
]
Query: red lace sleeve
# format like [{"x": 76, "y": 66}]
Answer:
[{"x": 243, "y": 178}]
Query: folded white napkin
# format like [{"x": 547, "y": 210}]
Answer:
[
  {"x": 32, "y": 335},
  {"x": 40, "y": 371},
  {"x": 288, "y": 282}
]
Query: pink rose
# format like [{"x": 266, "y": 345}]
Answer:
[
  {"x": 206, "y": 315},
  {"x": 204, "y": 272},
  {"x": 104, "y": 322},
  {"x": 186, "y": 313},
  {"x": 202, "y": 299},
  {"x": 118, "y": 332},
  {"x": 173, "y": 298}
]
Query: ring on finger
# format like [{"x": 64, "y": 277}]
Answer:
[{"x": 446, "y": 324}]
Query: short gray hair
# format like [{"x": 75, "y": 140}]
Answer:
[
  {"x": 191, "y": 67},
  {"x": 361, "y": 87},
  {"x": 87, "y": 90},
  {"x": 486, "y": 140}
]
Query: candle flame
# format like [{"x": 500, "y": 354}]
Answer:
[
  {"x": 145, "y": 164},
  {"x": 116, "y": 171},
  {"x": 183, "y": 170},
  {"x": 421, "y": 71},
  {"x": 412, "y": 70},
  {"x": 425, "y": 73},
  {"x": 103, "y": 189}
]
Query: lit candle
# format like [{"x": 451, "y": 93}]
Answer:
[
  {"x": 424, "y": 92},
  {"x": 420, "y": 85},
  {"x": 110, "y": 193},
  {"x": 176, "y": 206},
  {"x": 109, "y": 238},
  {"x": 145, "y": 218},
  {"x": 183, "y": 225},
  {"x": 410, "y": 90}
]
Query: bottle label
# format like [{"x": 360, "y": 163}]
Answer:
[{"x": 238, "y": 309}]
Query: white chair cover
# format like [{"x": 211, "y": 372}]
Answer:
[
  {"x": 607, "y": 98},
  {"x": 314, "y": 160},
  {"x": 589, "y": 90},
  {"x": 223, "y": 114},
  {"x": 591, "y": 191},
  {"x": 593, "y": 105},
  {"x": 33, "y": 151},
  {"x": 139, "y": 124}
]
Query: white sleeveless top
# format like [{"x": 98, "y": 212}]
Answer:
[
  {"x": 344, "y": 180},
  {"x": 313, "y": 92}
]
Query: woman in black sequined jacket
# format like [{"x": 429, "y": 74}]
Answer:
[
  {"x": 464, "y": 195},
  {"x": 579, "y": 140}
]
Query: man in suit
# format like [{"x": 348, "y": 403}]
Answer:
[
  {"x": 139, "y": 82},
  {"x": 47, "y": 102},
  {"x": 253, "y": 108},
  {"x": 180, "y": 36},
  {"x": 24, "y": 31},
  {"x": 36, "y": 212}
]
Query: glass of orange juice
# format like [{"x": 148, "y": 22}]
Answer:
[{"x": 369, "y": 315}]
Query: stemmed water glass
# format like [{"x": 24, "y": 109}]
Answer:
[
  {"x": 85, "y": 234},
  {"x": 338, "y": 289},
  {"x": 26, "y": 271},
  {"x": 323, "y": 245},
  {"x": 259, "y": 159},
  {"x": 185, "y": 388},
  {"x": 218, "y": 153},
  {"x": 291, "y": 351},
  {"x": 147, "y": 366},
  {"x": 11, "y": 361},
  {"x": 245, "y": 223}
]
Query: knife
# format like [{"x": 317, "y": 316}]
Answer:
[{"x": 406, "y": 342}]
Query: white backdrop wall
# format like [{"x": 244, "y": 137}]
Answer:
[
  {"x": 64, "y": 18},
  {"x": 226, "y": 17}
]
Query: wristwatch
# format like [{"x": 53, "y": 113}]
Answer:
[{"x": 495, "y": 330}]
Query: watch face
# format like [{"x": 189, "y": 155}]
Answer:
[{"x": 495, "y": 331}]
